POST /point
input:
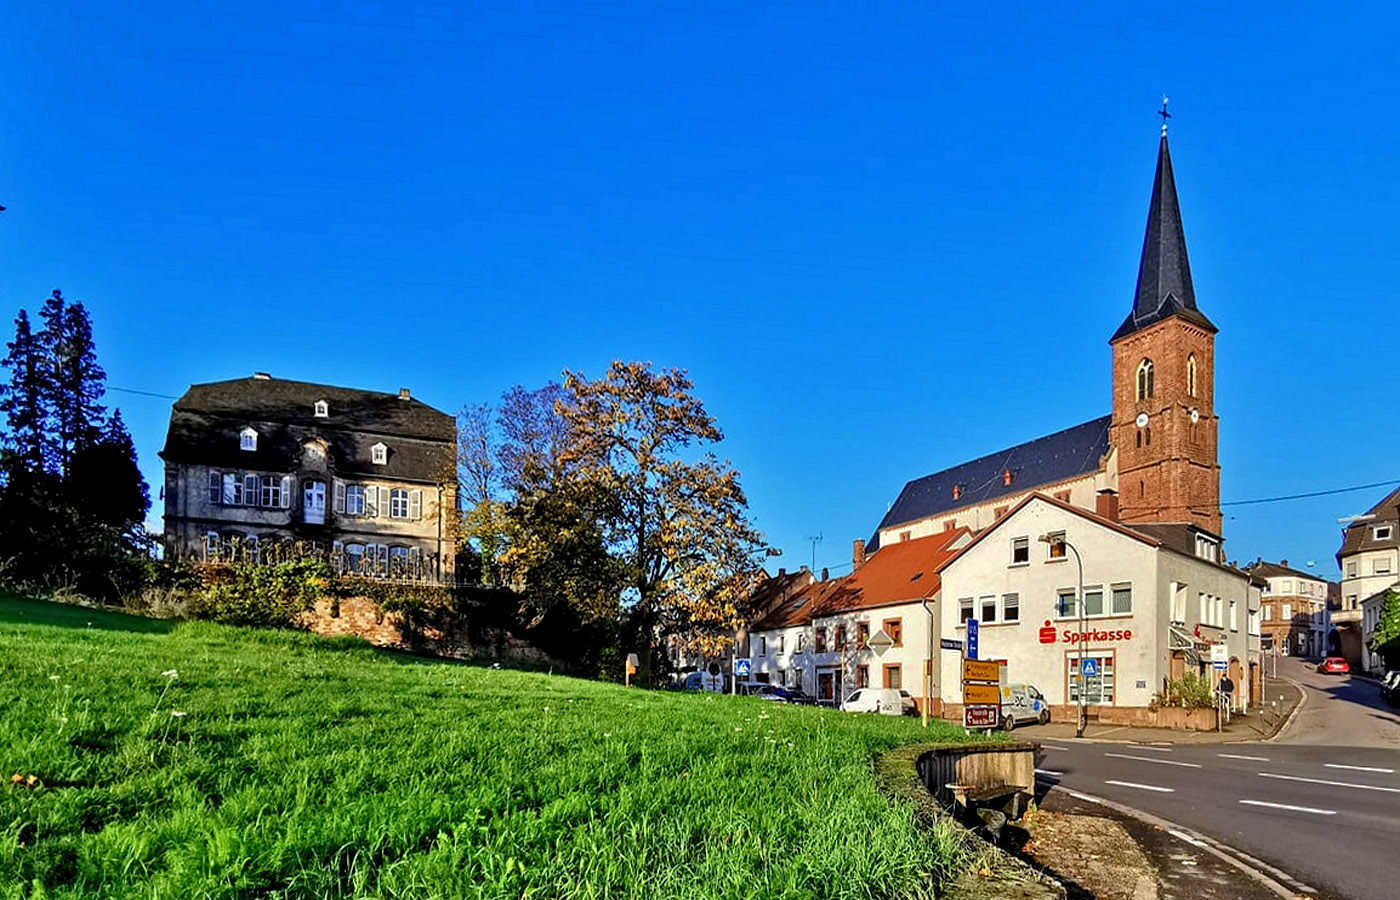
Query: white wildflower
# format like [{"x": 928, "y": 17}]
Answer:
[
  {"x": 53, "y": 678},
  {"x": 170, "y": 673},
  {"x": 177, "y": 713}
]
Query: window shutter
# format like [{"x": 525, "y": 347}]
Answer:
[
  {"x": 371, "y": 504},
  {"x": 383, "y": 556},
  {"x": 384, "y": 508},
  {"x": 339, "y": 496},
  {"x": 415, "y": 504},
  {"x": 250, "y": 490},
  {"x": 228, "y": 488},
  {"x": 286, "y": 492},
  {"x": 216, "y": 487},
  {"x": 337, "y": 556}
]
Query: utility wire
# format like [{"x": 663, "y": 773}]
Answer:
[
  {"x": 1359, "y": 487},
  {"x": 142, "y": 393}
]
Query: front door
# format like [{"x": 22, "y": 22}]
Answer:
[{"x": 314, "y": 502}]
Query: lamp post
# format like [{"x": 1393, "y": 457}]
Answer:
[{"x": 1079, "y": 603}]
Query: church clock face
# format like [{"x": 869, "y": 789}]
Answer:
[
  {"x": 1142, "y": 420},
  {"x": 1195, "y": 416}
]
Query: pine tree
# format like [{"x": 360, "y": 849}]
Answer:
[
  {"x": 104, "y": 480},
  {"x": 25, "y": 399},
  {"x": 75, "y": 411}
]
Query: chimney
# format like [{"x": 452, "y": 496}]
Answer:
[
  {"x": 404, "y": 394},
  {"x": 857, "y": 554},
  {"x": 262, "y": 376},
  {"x": 782, "y": 573},
  {"x": 825, "y": 575},
  {"x": 1006, "y": 477},
  {"x": 1106, "y": 504},
  {"x": 1283, "y": 562}
]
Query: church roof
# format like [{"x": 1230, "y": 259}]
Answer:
[
  {"x": 1046, "y": 460},
  {"x": 1164, "y": 274}
]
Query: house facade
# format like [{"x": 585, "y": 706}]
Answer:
[
  {"x": 368, "y": 478},
  {"x": 1156, "y": 598},
  {"x": 1293, "y": 610},
  {"x": 1370, "y": 562}
]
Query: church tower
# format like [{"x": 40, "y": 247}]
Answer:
[{"x": 1164, "y": 425}]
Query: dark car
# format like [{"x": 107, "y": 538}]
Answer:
[{"x": 1334, "y": 665}]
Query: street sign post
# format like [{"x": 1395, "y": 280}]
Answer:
[
  {"x": 743, "y": 667},
  {"x": 879, "y": 642},
  {"x": 981, "y": 716},
  {"x": 981, "y": 694},
  {"x": 1219, "y": 657},
  {"x": 949, "y": 644},
  {"x": 981, "y": 670},
  {"x": 1090, "y": 668},
  {"x": 981, "y": 686},
  {"x": 972, "y": 638}
]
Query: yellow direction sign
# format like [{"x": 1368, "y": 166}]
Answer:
[
  {"x": 981, "y": 670},
  {"x": 981, "y": 693}
]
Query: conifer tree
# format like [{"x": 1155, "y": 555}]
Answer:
[
  {"x": 104, "y": 480},
  {"x": 25, "y": 400},
  {"x": 75, "y": 408}
]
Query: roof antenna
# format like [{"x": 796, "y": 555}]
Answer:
[
  {"x": 815, "y": 539},
  {"x": 1164, "y": 114}
]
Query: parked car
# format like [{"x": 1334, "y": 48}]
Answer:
[
  {"x": 1023, "y": 704},
  {"x": 886, "y": 701},
  {"x": 1334, "y": 665},
  {"x": 776, "y": 692},
  {"x": 702, "y": 681}
]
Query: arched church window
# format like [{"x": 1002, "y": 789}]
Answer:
[
  {"x": 1144, "y": 379},
  {"x": 1148, "y": 439},
  {"x": 1191, "y": 374}
]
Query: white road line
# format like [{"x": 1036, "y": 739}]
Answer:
[
  {"x": 1145, "y": 787},
  {"x": 1363, "y": 787},
  {"x": 1360, "y": 768},
  {"x": 1153, "y": 749},
  {"x": 1052, "y": 747},
  {"x": 1160, "y": 762},
  {"x": 1238, "y": 756},
  {"x": 1084, "y": 797},
  {"x": 1306, "y": 809},
  {"x": 1047, "y": 772},
  {"x": 1183, "y": 836}
]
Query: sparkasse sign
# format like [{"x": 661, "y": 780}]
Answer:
[{"x": 1093, "y": 634}]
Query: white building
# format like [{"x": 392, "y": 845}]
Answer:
[{"x": 1156, "y": 597}]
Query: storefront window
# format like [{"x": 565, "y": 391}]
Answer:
[{"x": 1099, "y": 691}]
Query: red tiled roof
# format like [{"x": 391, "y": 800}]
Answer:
[
  {"x": 897, "y": 573},
  {"x": 797, "y": 609}
]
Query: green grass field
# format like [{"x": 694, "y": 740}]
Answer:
[{"x": 203, "y": 761}]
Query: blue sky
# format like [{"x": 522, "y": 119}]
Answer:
[{"x": 883, "y": 238}]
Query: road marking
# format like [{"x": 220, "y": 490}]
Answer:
[
  {"x": 1363, "y": 787},
  {"x": 1047, "y": 772},
  {"x": 1183, "y": 836},
  {"x": 1053, "y": 747},
  {"x": 1306, "y": 809},
  {"x": 1360, "y": 768},
  {"x": 1153, "y": 749},
  {"x": 1238, "y": 756},
  {"x": 1160, "y": 762},
  {"x": 1145, "y": 787},
  {"x": 1084, "y": 797}
]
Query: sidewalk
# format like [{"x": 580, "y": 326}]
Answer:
[{"x": 1281, "y": 698}]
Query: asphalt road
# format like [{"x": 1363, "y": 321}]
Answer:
[{"x": 1321, "y": 802}]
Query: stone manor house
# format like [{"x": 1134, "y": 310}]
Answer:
[{"x": 367, "y": 477}]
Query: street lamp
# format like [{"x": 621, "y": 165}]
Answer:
[{"x": 1052, "y": 540}]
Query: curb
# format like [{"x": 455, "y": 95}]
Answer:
[
  {"x": 1302, "y": 701},
  {"x": 1276, "y": 880}
]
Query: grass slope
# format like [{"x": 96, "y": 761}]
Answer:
[{"x": 278, "y": 764}]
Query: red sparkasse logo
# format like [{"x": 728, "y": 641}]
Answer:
[{"x": 1047, "y": 633}]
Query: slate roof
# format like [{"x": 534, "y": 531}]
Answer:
[
  {"x": 206, "y": 421},
  {"x": 1358, "y": 536},
  {"x": 901, "y": 572},
  {"x": 1164, "y": 286},
  {"x": 1047, "y": 460},
  {"x": 1266, "y": 569}
]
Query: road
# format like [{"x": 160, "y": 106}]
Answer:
[{"x": 1321, "y": 803}]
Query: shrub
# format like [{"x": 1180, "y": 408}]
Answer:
[
  {"x": 1190, "y": 691},
  {"x": 262, "y": 594}
]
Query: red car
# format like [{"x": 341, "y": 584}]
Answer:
[{"x": 1334, "y": 665}]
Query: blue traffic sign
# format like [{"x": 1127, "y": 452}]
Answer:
[
  {"x": 972, "y": 638},
  {"x": 1091, "y": 668},
  {"x": 743, "y": 667}
]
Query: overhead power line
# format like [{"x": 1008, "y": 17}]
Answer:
[
  {"x": 1359, "y": 487},
  {"x": 142, "y": 393}
]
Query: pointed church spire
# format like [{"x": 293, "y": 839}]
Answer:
[{"x": 1164, "y": 275}]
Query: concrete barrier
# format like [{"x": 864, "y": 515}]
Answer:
[{"x": 997, "y": 776}]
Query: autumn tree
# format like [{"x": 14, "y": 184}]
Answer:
[{"x": 677, "y": 521}]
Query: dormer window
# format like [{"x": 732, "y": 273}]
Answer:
[
  {"x": 248, "y": 439},
  {"x": 379, "y": 454},
  {"x": 957, "y": 491},
  {"x": 1381, "y": 532},
  {"x": 1207, "y": 549},
  {"x": 323, "y": 409}
]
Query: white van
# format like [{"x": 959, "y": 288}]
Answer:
[
  {"x": 1023, "y": 704},
  {"x": 887, "y": 701},
  {"x": 704, "y": 681}
]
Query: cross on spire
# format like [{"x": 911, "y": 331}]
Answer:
[{"x": 1164, "y": 114}]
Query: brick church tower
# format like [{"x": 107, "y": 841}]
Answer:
[{"x": 1164, "y": 424}]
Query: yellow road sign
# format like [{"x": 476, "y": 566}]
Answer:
[
  {"x": 981, "y": 693},
  {"x": 981, "y": 670}
]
